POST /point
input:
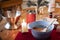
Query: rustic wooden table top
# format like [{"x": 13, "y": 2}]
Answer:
[{"x": 11, "y": 34}]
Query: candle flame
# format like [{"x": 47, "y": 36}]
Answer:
[
  {"x": 24, "y": 23},
  {"x": 23, "y": 20}
]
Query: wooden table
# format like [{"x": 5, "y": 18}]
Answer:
[{"x": 11, "y": 34}]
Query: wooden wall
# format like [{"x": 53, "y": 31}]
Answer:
[
  {"x": 10, "y": 3},
  {"x": 57, "y": 0}
]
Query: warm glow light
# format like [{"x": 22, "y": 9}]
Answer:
[
  {"x": 24, "y": 26},
  {"x": 23, "y": 23}
]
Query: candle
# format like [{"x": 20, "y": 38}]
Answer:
[{"x": 24, "y": 26}]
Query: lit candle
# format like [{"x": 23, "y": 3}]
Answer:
[{"x": 24, "y": 26}]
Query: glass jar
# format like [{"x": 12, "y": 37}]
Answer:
[{"x": 31, "y": 16}]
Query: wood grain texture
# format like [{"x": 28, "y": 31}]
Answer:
[
  {"x": 10, "y": 3},
  {"x": 57, "y": 0}
]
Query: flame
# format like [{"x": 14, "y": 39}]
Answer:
[
  {"x": 23, "y": 23},
  {"x": 24, "y": 26}
]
